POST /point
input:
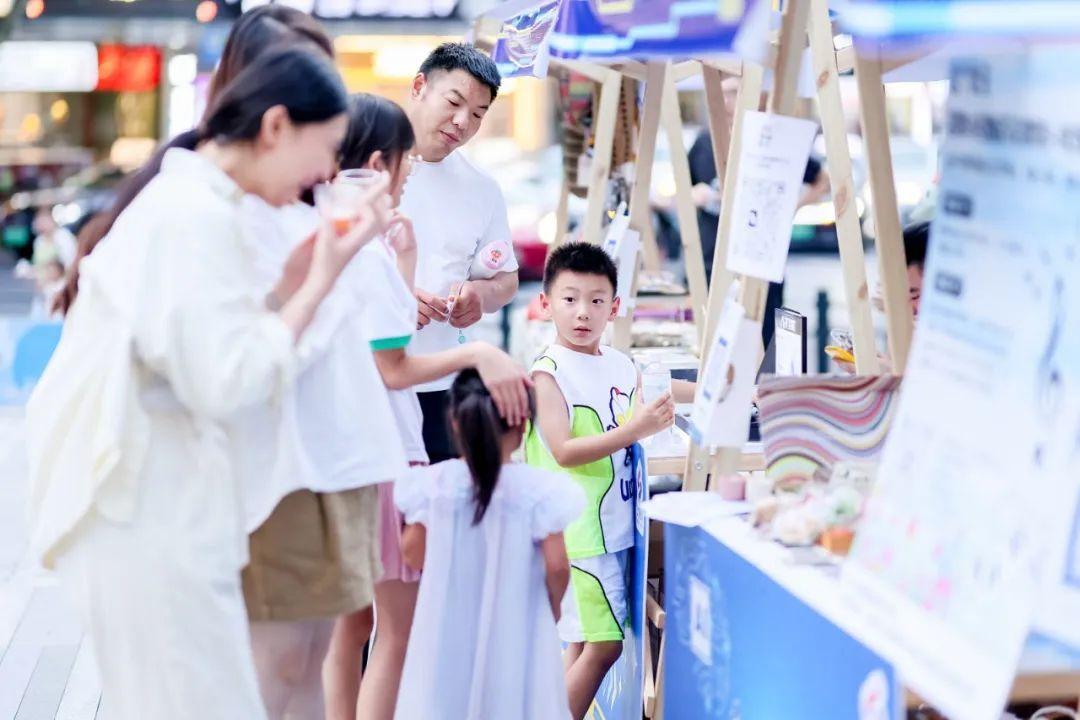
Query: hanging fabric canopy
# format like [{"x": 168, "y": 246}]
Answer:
[
  {"x": 647, "y": 29},
  {"x": 918, "y": 22}
]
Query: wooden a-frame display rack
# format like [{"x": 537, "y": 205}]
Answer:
[
  {"x": 805, "y": 22},
  {"x": 807, "y": 19}
]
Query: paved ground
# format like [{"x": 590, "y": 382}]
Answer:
[{"x": 46, "y": 669}]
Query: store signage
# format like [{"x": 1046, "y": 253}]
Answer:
[
  {"x": 114, "y": 8},
  {"x": 347, "y": 9},
  {"x": 48, "y": 67},
  {"x": 124, "y": 68},
  {"x": 610, "y": 29}
]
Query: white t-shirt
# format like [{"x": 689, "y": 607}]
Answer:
[
  {"x": 390, "y": 321},
  {"x": 335, "y": 430},
  {"x": 462, "y": 231},
  {"x": 484, "y": 643},
  {"x": 600, "y": 393}
]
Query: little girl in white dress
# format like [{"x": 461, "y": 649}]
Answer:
[{"x": 488, "y": 535}]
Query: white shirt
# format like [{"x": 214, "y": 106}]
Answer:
[
  {"x": 168, "y": 339},
  {"x": 599, "y": 391},
  {"x": 483, "y": 641},
  {"x": 459, "y": 216},
  {"x": 334, "y": 430},
  {"x": 390, "y": 321}
]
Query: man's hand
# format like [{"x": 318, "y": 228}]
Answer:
[
  {"x": 431, "y": 308},
  {"x": 468, "y": 307}
]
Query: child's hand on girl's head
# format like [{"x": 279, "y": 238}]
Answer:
[
  {"x": 651, "y": 418},
  {"x": 507, "y": 382}
]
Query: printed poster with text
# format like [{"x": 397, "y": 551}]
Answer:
[{"x": 967, "y": 525}]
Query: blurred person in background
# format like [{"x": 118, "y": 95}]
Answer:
[
  {"x": 134, "y": 499},
  {"x": 916, "y": 243},
  {"x": 54, "y": 238}
]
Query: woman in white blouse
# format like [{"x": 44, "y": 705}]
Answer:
[{"x": 132, "y": 497}]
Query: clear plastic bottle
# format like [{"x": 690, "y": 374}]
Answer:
[{"x": 656, "y": 382}]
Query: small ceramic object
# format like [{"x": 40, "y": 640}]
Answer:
[{"x": 731, "y": 487}]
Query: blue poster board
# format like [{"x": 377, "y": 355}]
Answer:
[
  {"x": 522, "y": 47},
  {"x": 621, "y": 695},
  {"x": 610, "y": 29},
  {"x": 920, "y": 21},
  {"x": 739, "y": 645},
  {"x": 25, "y": 348}
]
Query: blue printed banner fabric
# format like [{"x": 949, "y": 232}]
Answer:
[
  {"x": 908, "y": 22},
  {"x": 611, "y": 29}
]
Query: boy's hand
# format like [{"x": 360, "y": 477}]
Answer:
[{"x": 655, "y": 416}]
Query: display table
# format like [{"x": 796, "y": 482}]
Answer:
[
  {"x": 752, "y": 460},
  {"x": 806, "y": 633}
]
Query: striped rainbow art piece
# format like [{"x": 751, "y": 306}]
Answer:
[{"x": 808, "y": 424}]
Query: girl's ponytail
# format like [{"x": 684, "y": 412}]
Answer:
[{"x": 478, "y": 432}]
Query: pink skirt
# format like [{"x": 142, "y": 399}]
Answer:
[{"x": 391, "y": 523}]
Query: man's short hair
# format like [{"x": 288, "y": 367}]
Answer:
[
  {"x": 580, "y": 257},
  {"x": 916, "y": 240},
  {"x": 462, "y": 56}
]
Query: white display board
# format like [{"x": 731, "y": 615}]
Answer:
[
  {"x": 973, "y": 493},
  {"x": 623, "y": 244},
  {"x": 722, "y": 400},
  {"x": 772, "y": 162}
]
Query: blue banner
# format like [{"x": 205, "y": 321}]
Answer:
[
  {"x": 927, "y": 21},
  {"x": 25, "y": 348},
  {"x": 739, "y": 645},
  {"x": 522, "y": 47},
  {"x": 610, "y": 29}
]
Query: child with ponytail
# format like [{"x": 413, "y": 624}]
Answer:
[{"x": 487, "y": 533}]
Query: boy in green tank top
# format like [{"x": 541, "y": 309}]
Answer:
[{"x": 587, "y": 418}]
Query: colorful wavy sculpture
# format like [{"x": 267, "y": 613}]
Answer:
[{"x": 808, "y": 424}]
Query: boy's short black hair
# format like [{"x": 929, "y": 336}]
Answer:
[
  {"x": 580, "y": 257},
  {"x": 916, "y": 239},
  {"x": 462, "y": 56}
]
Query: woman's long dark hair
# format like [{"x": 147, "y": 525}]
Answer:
[
  {"x": 478, "y": 433},
  {"x": 305, "y": 84},
  {"x": 256, "y": 31},
  {"x": 375, "y": 125}
]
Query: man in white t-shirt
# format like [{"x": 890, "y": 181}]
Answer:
[{"x": 465, "y": 260}]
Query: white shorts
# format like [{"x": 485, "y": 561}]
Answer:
[{"x": 594, "y": 607}]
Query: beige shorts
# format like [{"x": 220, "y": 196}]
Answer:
[{"x": 316, "y": 556}]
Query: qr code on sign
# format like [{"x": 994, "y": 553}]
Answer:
[{"x": 760, "y": 216}]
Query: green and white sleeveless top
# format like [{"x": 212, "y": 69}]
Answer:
[{"x": 599, "y": 392}]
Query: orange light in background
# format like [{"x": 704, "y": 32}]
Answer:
[
  {"x": 206, "y": 11},
  {"x": 59, "y": 110},
  {"x": 30, "y": 128},
  {"x": 34, "y": 9}
]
